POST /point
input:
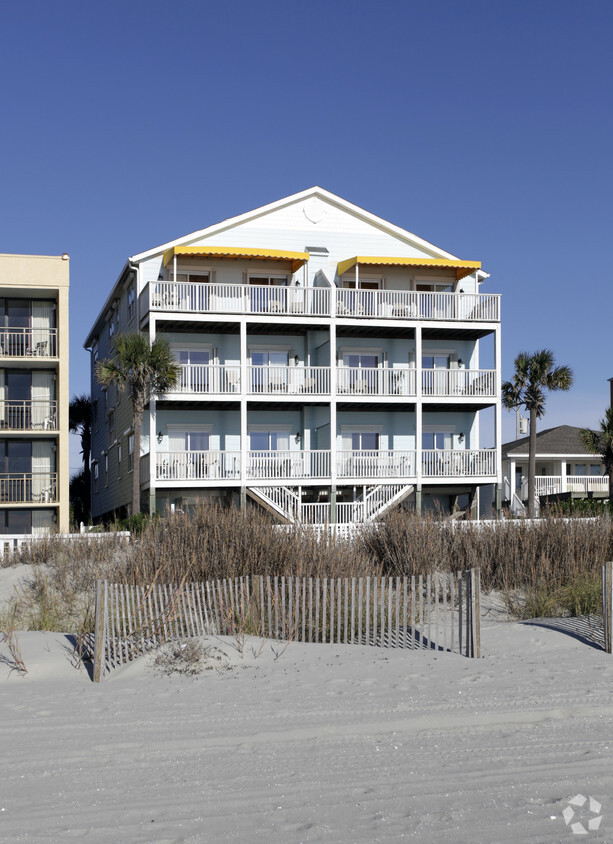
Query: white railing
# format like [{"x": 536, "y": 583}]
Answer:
[
  {"x": 34, "y": 487},
  {"x": 456, "y": 463},
  {"x": 28, "y": 342},
  {"x": 546, "y": 485},
  {"x": 379, "y": 496},
  {"x": 285, "y": 499},
  {"x": 408, "y": 304},
  {"x": 315, "y": 514},
  {"x": 579, "y": 484},
  {"x": 32, "y": 415},
  {"x": 376, "y": 464},
  {"x": 587, "y": 483},
  {"x": 285, "y": 465},
  {"x": 288, "y": 380},
  {"x": 369, "y": 381},
  {"x": 197, "y": 465},
  {"x": 191, "y": 297},
  {"x": 208, "y": 378},
  {"x": 196, "y": 297},
  {"x": 12, "y": 542},
  {"x": 458, "y": 382}
]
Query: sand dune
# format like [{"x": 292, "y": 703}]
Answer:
[{"x": 326, "y": 743}]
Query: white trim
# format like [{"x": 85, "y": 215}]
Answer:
[
  {"x": 270, "y": 429},
  {"x": 232, "y": 222},
  {"x": 188, "y": 429}
]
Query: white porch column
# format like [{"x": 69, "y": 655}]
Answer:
[
  {"x": 498, "y": 411},
  {"x": 563, "y": 483},
  {"x": 512, "y": 469},
  {"x": 243, "y": 411},
  {"x": 418, "y": 412},
  {"x": 333, "y": 451},
  {"x": 152, "y": 434}
]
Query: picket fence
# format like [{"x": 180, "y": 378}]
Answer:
[
  {"x": 12, "y": 543},
  {"x": 437, "y": 611},
  {"x": 607, "y": 606}
]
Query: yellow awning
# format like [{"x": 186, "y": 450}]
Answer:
[
  {"x": 462, "y": 268},
  {"x": 298, "y": 259}
]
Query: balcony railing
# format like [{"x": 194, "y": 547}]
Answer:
[
  {"x": 456, "y": 463},
  {"x": 33, "y": 415},
  {"x": 459, "y": 382},
  {"x": 376, "y": 464},
  {"x": 197, "y": 465},
  {"x": 208, "y": 378},
  {"x": 376, "y": 382},
  {"x": 578, "y": 484},
  {"x": 288, "y": 464},
  {"x": 296, "y": 465},
  {"x": 289, "y": 380},
  {"x": 192, "y": 297},
  {"x": 200, "y": 298},
  {"x": 408, "y": 304},
  {"x": 28, "y": 487},
  {"x": 28, "y": 342}
]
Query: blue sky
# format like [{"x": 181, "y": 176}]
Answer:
[{"x": 484, "y": 127}]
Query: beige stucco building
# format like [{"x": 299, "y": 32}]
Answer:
[{"x": 34, "y": 393}]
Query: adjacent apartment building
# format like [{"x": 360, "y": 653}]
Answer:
[
  {"x": 34, "y": 393},
  {"x": 333, "y": 365}
]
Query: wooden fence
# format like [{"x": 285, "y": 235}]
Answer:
[
  {"x": 607, "y": 606},
  {"x": 432, "y": 612}
]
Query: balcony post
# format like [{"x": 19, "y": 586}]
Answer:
[
  {"x": 243, "y": 411},
  {"x": 498, "y": 411},
  {"x": 418, "y": 418},
  {"x": 152, "y": 433},
  {"x": 563, "y": 482},
  {"x": 333, "y": 451}
]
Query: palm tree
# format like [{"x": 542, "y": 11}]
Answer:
[
  {"x": 534, "y": 373},
  {"x": 601, "y": 442},
  {"x": 145, "y": 370},
  {"x": 80, "y": 422}
]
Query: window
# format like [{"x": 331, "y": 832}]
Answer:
[
  {"x": 95, "y": 414},
  {"x": 361, "y": 300},
  {"x": 267, "y": 295},
  {"x": 189, "y": 440},
  {"x": 111, "y": 425},
  {"x": 131, "y": 302},
  {"x": 435, "y": 361},
  {"x": 96, "y": 478},
  {"x": 119, "y": 461},
  {"x": 272, "y": 372},
  {"x": 594, "y": 470},
  {"x": 365, "y": 441},
  {"x": 130, "y": 452},
  {"x": 580, "y": 469},
  {"x": 269, "y": 440},
  {"x": 106, "y": 469},
  {"x": 195, "y": 375},
  {"x": 436, "y": 440},
  {"x": 359, "y": 373}
]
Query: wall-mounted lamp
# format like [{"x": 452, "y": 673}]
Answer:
[
  {"x": 461, "y": 437},
  {"x": 160, "y": 277},
  {"x": 298, "y": 438},
  {"x": 460, "y": 362},
  {"x": 296, "y": 359},
  {"x": 160, "y": 436}
]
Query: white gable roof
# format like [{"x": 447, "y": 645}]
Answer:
[{"x": 314, "y": 207}]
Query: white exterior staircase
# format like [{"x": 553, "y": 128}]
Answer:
[{"x": 285, "y": 503}]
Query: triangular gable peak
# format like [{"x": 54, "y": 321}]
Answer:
[{"x": 312, "y": 218}]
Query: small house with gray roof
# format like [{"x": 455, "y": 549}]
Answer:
[{"x": 563, "y": 465}]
